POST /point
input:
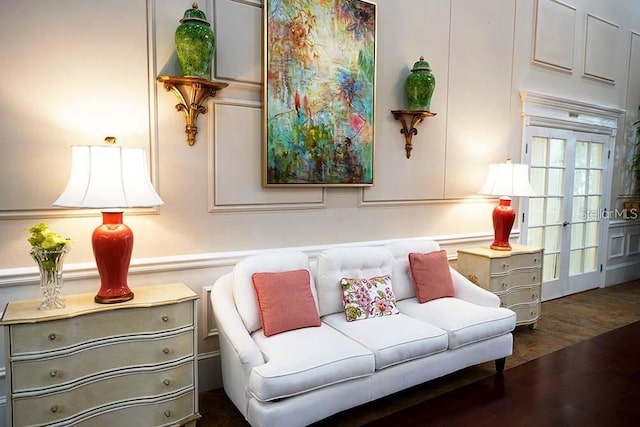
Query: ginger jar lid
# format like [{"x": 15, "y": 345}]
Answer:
[
  {"x": 194, "y": 14},
  {"x": 421, "y": 65}
]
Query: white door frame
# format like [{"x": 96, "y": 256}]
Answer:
[{"x": 551, "y": 112}]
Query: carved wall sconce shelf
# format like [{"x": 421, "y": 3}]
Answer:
[
  {"x": 192, "y": 92},
  {"x": 409, "y": 127}
]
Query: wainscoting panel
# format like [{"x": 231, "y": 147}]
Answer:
[
  {"x": 602, "y": 48},
  {"x": 554, "y": 39},
  {"x": 238, "y": 52},
  {"x": 236, "y": 164}
]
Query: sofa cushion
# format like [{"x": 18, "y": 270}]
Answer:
[
  {"x": 400, "y": 250},
  {"x": 302, "y": 360},
  {"x": 244, "y": 293},
  {"x": 430, "y": 275},
  {"x": 285, "y": 301},
  {"x": 392, "y": 339},
  {"x": 365, "y": 298},
  {"x": 465, "y": 322},
  {"x": 354, "y": 262}
]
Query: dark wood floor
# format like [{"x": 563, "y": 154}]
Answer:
[{"x": 592, "y": 383}]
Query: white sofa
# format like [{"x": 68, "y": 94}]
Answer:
[{"x": 301, "y": 376}]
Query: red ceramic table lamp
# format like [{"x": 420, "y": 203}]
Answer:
[
  {"x": 505, "y": 180},
  {"x": 110, "y": 178}
]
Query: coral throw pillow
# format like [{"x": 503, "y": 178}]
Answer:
[
  {"x": 365, "y": 298},
  {"x": 285, "y": 301},
  {"x": 430, "y": 275}
]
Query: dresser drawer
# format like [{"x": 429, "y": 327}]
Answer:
[
  {"x": 520, "y": 295},
  {"x": 66, "y": 333},
  {"x": 525, "y": 277},
  {"x": 99, "y": 361},
  {"x": 53, "y": 407},
  {"x": 526, "y": 313},
  {"x": 515, "y": 262}
]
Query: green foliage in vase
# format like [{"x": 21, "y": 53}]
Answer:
[{"x": 44, "y": 239}]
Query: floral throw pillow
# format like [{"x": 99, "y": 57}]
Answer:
[{"x": 366, "y": 298}]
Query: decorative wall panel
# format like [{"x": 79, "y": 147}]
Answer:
[
  {"x": 238, "y": 33},
  {"x": 601, "y": 49},
  {"x": 235, "y": 168},
  {"x": 555, "y": 24},
  {"x": 58, "y": 90}
]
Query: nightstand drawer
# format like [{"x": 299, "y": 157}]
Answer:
[
  {"x": 515, "y": 262},
  {"x": 526, "y": 313},
  {"x": 99, "y": 361},
  {"x": 504, "y": 282},
  {"x": 55, "y": 406},
  {"x": 60, "y": 334}
]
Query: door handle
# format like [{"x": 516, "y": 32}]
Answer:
[{"x": 564, "y": 224}]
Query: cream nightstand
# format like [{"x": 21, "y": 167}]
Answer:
[
  {"x": 515, "y": 276},
  {"x": 128, "y": 364}
]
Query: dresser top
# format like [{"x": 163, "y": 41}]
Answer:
[
  {"x": 493, "y": 253},
  {"x": 77, "y": 305}
]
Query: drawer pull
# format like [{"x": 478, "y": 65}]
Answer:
[
  {"x": 166, "y": 350},
  {"x": 535, "y": 278},
  {"x": 165, "y": 318},
  {"x": 167, "y": 413},
  {"x": 505, "y": 266},
  {"x": 54, "y": 408},
  {"x": 53, "y": 373},
  {"x": 52, "y": 337},
  {"x": 166, "y": 382}
]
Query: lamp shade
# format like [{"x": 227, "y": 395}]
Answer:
[
  {"x": 107, "y": 177},
  {"x": 507, "y": 179}
]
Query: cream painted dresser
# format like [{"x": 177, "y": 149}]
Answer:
[
  {"x": 515, "y": 276},
  {"x": 126, "y": 364}
]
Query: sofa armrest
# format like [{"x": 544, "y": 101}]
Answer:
[
  {"x": 468, "y": 291},
  {"x": 230, "y": 324}
]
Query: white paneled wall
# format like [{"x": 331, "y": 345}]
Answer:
[{"x": 74, "y": 80}]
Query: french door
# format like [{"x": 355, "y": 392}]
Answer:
[{"x": 568, "y": 174}]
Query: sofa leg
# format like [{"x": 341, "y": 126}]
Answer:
[{"x": 500, "y": 365}]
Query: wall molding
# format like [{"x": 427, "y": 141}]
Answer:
[{"x": 80, "y": 271}]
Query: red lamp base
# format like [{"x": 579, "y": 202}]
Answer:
[
  {"x": 503, "y": 217},
  {"x": 112, "y": 246}
]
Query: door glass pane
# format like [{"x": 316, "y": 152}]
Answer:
[
  {"x": 537, "y": 180},
  {"x": 591, "y": 234},
  {"x": 580, "y": 182},
  {"x": 536, "y": 211},
  {"x": 582, "y": 153},
  {"x": 552, "y": 238},
  {"x": 575, "y": 262},
  {"x": 551, "y": 267},
  {"x": 595, "y": 177},
  {"x": 556, "y": 152},
  {"x": 595, "y": 155},
  {"x": 539, "y": 151},
  {"x": 590, "y": 259},
  {"x": 554, "y": 187},
  {"x": 554, "y": 210},
  {"x": 580, "y": 212},
  {"x": 593, "y": 205},
  {"x": 534, "y": 237},
  {"x": 577, "y": 235}
]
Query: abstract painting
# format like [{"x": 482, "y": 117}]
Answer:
[{"x": 319, "y": 83}]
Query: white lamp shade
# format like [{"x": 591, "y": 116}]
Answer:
[
  {"x": 507, "y": 179},
  {"x": 107, "y": 177}
]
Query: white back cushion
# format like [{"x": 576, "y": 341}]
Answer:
[
  {"x": 355, "y": 262},
  {"x": 400, "y": 250},
  {"x": 244, "y": 294}
]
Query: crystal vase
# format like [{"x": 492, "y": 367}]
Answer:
[{"x": 50, "y": 265}]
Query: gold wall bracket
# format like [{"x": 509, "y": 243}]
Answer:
[
  {"x": 191, "y": 92},
  {"x": 409, "y": 128}
]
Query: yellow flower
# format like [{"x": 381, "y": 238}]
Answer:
[{"x": 43, "y": 238}]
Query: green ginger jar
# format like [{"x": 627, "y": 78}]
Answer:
[
  {"x": 195, "y": 43},
  {"x": 420, "y": 85}
]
